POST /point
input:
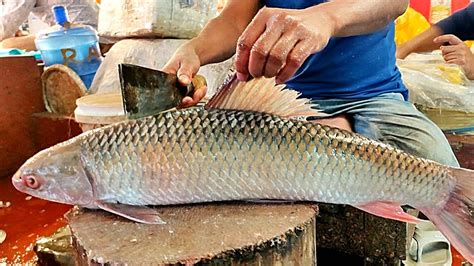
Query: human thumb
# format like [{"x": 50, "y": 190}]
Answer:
[{"x": 186, "y": 72}]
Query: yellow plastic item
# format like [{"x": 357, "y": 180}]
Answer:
[
  {"x": 453, "y": 74},
  {"x": 409, "y": 25}
]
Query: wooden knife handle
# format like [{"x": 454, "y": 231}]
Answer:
[{"x": 197, "y": 83}]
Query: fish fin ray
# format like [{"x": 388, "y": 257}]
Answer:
[
  {"x": 264, "y": 96},
  {"x": 140, "y": 214},
  {"x": 388, "y": 210},
  {"x": 455, "y": 219}
]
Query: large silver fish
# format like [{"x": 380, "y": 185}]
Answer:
[{"x": 247, "y": 145}]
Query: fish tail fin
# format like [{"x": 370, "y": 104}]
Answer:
[{"x": 456, "y": 218}]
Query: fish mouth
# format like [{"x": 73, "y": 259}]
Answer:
[{"x": 17, "y": 181}]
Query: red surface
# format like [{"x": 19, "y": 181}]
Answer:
[
  {"x": 24, "y": 221},
  {"x": 23, "y": 133},
  {"x": 457, "y": 258},
  {"x": 459, "y": 4},
  {"x": 423, "y": 6}
]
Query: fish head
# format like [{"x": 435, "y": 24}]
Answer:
[{"x": 56, "y": 174}]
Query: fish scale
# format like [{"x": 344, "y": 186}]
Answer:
[{"x": 287, "y": 159}]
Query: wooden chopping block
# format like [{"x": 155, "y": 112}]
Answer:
[
  {"x": 347, "y": 231},
  {"x": 209, "y": 234}
]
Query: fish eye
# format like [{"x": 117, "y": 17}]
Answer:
[{"x": 31, "y": 182}]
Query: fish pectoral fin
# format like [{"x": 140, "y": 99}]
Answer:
[
  {"x": 390, "y": 210},
  {"x": 140, "y": 214}
]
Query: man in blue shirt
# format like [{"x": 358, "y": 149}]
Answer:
[
  {"x": 447, "y": 35},
  {"x": 339, "y": 53}
]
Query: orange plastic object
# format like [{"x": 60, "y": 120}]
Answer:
[{"x": 409, "y": 25}]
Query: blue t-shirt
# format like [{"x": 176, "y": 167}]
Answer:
[
  {"x": 460, "y": 23},
  {"x": 355, "y": 67}
]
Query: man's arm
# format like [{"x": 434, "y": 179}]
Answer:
[
  {"x": 460, "y": 24},
  {"x": 278, "y": 41},
  {"x": 286, "y": 37},
  {"x": 215, "y": 43},
  {"x": 420, "y": 43},
  {"x": 218, "y": 39},
  {"x": 358, "y": 17}
]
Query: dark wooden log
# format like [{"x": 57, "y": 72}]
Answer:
[
  {"x": 351, "y": 232},
  {"x": 210, "y": 234}
]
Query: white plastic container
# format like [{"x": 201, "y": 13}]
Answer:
[{"x": 98, "y": 110}]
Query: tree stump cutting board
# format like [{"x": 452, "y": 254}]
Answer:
[{"x": 209, "y": 234}]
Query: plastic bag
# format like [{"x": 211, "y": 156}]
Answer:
[
  {"x": 435, "y": 84},
  {"x": 450, "y": 121},
  {"x": 152, "y": 54},
  {"x": 120, "y": 19}
]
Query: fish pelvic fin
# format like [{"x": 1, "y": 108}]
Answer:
[
  {"x": 388, "y": 210},
  {"x": 456, "y": 218},
  {"x": 140, "y": 214},
  {"x": 264, "y": 96}
]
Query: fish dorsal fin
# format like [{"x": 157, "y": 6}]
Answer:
[{"x": 261, "y": 95}]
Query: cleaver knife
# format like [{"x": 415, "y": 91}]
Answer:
[{"x": 148, "y": 91}]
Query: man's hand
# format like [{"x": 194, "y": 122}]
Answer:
[
  {"x": 457, "y": 52},
  {"x": 185, "y": 64},
  {"x": 278, "y": 41}
]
